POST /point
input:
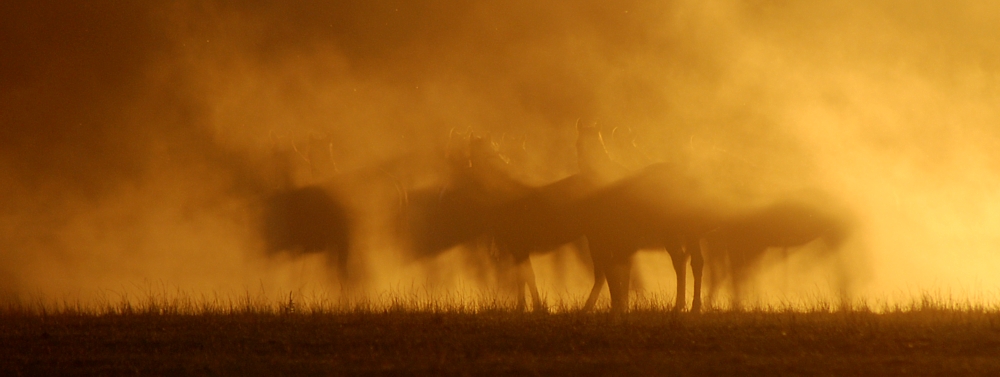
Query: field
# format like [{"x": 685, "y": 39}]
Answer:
[{"x": 921, "y": 339}]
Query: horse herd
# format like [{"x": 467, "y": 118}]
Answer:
[{"x": 605, "y": 207}]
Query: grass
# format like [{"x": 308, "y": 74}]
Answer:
[{"x": 251, "y": 335}]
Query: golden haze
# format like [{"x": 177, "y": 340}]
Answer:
[{"x": 134, "y": 138}]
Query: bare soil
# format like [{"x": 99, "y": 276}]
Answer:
[{"x": 643, "y": 343}]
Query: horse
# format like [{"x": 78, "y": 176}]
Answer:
[
  {"x": 443, "y": 216},
  {"x": 523, "y": 219},
  {"x": 597, "y": 166},
  {"x": 307, "y": 220},
  {"x": 310, "y": 209},
  {"x": 791, "y": 221},
  {"x": 657, "y": 207},
  {"x": 446, "y": 209},
  {"x": 613, "y": 249}
]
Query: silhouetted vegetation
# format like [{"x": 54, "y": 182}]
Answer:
[{"x": 248, "y": 337}]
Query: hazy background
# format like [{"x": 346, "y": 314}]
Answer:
[{"x": 134, "y": 138}]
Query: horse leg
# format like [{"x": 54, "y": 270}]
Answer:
[
  {"x": 595, "y": 292},
  {"x": 618, "y": 281},
  {"x": 697, "y": 269},
  {"x": 601, "y": 263},
  {"x": 527, "y": 276},
  {"x": 679, "y": 259},
  {"x": 636, "y": 282},
  {"x": 519, "y": 283},
  {"x": 521, "y": 300},
  {"x": 337, "y": 262}
]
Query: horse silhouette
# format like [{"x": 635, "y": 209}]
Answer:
[
  {"x": 524, "y": 219},
  {"x": 306, "y": 220},
  {"x": 449, "y": 212},
  {"x": 598, "y": 169},
  {"x": 792, "y": 221},
  {"x": 310, "y": 217},
  {"x": 491, "y": 201},
  {"x": 439, "y": 218},
  {"x": 657, "y": 207},
  {"x": 614, "y": 250}
]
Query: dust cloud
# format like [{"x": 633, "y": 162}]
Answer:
[{"x": 137, "y": 141}]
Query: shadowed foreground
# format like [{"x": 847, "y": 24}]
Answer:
[{"x": 643, "y": 343}]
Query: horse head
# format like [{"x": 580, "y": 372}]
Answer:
[
  {"x": 589, "y": 140},
  {"x": 319, "y": 155},
  {"x": 593, "y": 158},
  {"x": 484, "y": 153}
]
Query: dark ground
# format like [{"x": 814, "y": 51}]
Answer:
[{"x": 644, "y": 343}]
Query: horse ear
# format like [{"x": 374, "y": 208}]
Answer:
[
  {"x": 299, "y": 153},
  {"x": 473, "y": 136},
  {"x": 454, "y": 134}
]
